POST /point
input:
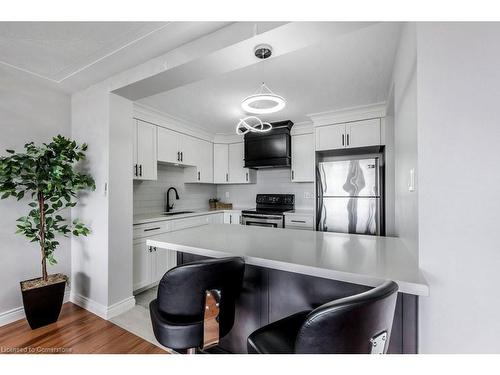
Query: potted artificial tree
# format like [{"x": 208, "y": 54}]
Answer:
[{"x": 46, "y": 175}]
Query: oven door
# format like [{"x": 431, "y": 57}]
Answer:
[{"x": 273, "y": 221}]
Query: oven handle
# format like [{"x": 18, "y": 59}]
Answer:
[{"x": 263, "y": 217}]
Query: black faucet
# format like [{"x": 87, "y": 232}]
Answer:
[{"x": 169, "y": 207}]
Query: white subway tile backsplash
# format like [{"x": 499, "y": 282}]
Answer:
[
  {"x": 149, "y": 196},
  {"x": 269, "y": 181}
]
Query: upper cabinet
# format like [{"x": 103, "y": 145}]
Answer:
[
  {"x": 221, "y": 163},
  {"x": 145, "y": 151},
  {"x": 302, "y": 158},
  {"x": 203, "y": 170},
  {"x": 229, "y": 164},
  {"x": 349, "y": 135},
  {"x": 177, "y": 148}
]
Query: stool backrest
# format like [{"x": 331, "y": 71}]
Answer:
[
  {"x": 181, "y": 292},
  {"x": 359, "y": 324}
]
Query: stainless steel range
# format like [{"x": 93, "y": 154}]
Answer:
[{"x": 269, "y": 210}]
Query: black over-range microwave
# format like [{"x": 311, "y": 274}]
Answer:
[{"x": 271, "y": 149}]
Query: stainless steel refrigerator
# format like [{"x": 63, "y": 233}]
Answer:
[{"x": 349, "y": 196}]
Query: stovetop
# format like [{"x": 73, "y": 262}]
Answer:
[{"x": 272, "y": 204}]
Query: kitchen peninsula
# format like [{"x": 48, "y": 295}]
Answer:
[{"x": 291, "y": 270}]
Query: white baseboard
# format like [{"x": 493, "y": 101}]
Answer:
[
  {"x": 120, "y": 307},
  {"x": 17, "y": 313},
  {"x": 105, "y": 312}
]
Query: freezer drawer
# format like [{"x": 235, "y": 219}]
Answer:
[
  {"x": 349, "y": 178},
  {"x": 349, "y": 215}
]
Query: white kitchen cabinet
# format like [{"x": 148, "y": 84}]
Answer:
[
  {"x": 189, "y": 222},
  {"x": 232, "y": 217},
  {"x": 299, "y": 221},
  {"x": 145, "y": 151},
  {"x": 221, "y": 163},
  {"x": 229, "y": 164},
  {"x": 203, "y": 172},
  {"x": 349, "y": 135},
  {"x": 363, "y": 133},
  {"x": 217, "y": 218},
  {"x": 330, "y": 137},
  {"x": 176, "y": 148},
  {"x": 141, "y": 265},
  {"x": 188, "y": 147},
  {"x": 168, "y": 146},
  {"x": 302, "y": 158}
]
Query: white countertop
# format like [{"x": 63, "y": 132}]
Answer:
[
  {"x": 153, "y": 217},
  {"x": 359, "y": 259}
]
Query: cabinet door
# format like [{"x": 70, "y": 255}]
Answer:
[
  {"x": 161, "y": 262},
  {"x": 205, "y": 162},
  {"x": 188, "y": 146},
  {"x": 168, "y": 146},
  {"x": 146, "y": 151},
  {"x": 135, "y": 166},
  {"x": 363, "y": 133},
  {"x": 330, "y": 137},
  {"x": 303, "y": 158},
  {"x": 232, "y": 218},
  {"x": 216, "y": 218},
  {"x": 237, "y": 172},
  {"x": 141, "y": 265},
  {"x": 221, "y": 163}
]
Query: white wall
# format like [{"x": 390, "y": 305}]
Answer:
[
  {"x": 29, "y": 111},
  {"x": 459, "y": 178},
  {"x": 90, "y": 124},
  {"x": 405, "y": 138},
  {"x": 120, "y": 269},
  {"x": 269, "y": 181},
  {"x": 149, "y": 196}
]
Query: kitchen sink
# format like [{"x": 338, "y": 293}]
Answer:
[{"x": 177, "y": 213}]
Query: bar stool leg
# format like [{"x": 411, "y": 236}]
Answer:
[{"x": 191, "y": 351}]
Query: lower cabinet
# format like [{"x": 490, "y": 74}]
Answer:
[
  {"x": 150, "y": 263},
  {"x": 232, "y": 218}
]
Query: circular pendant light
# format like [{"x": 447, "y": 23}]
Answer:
[{"x": 263, "y": 102}]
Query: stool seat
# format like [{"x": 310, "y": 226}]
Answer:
[
  {"x": 176, "y": 335},
  {"x": 277, "y": 337},
  {"x": 359, "y": 324},
  {"x": 196, "y": 302}
]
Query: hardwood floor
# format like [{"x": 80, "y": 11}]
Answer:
[{"x": 76, "y": 332}]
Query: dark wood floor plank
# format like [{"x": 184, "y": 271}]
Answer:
[{"x": 77, "y": 331}]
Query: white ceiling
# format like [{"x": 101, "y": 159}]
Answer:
[
  {"x": 347, "y": 71},
  {"x": 73, "y": 55}
]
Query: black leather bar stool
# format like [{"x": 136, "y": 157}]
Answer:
[
  {"x": 359, "y": 324},
  {"x": 182, "y": 309}
]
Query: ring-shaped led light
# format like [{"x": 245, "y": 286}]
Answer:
[
  {"x": 244, "y": 126},
  {"x": 279, "y": 103}
]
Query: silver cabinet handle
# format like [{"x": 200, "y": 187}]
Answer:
[
  {"x": 342, "y": 139},
  {"x": 230, "y": 219},
  {"x": 292, "y": 175},
  {"x": 227, "y": 177},
  {"x": 178, "y": 156},
  {"x": 140, "y": 170},
  {"x": 298, "y": 221},
  {"x": 247, "y": 176},
  {"x": 347, "y": 139},
  {"x": 182, "y": 156},
  {"x": 135, "y": 170},
  {"x": 198, "y": 175}
]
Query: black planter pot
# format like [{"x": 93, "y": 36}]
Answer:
[{"x": 42, "y": 305}]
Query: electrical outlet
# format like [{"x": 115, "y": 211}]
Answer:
[
  {"x": 227, "y": 194},
  {"x": 308, "y": 195}
]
